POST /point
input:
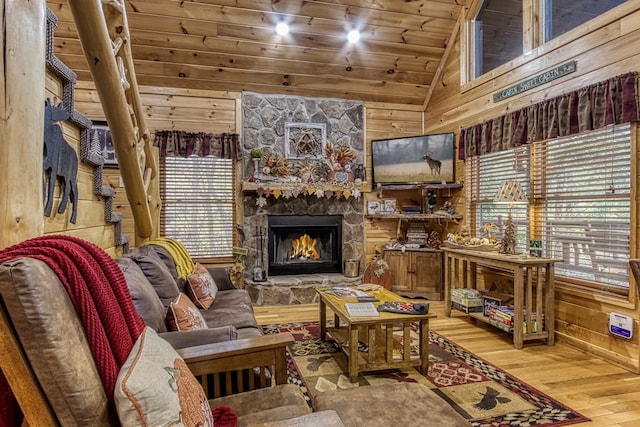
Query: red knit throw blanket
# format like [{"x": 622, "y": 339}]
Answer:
[{"x": 98, "y": 291}]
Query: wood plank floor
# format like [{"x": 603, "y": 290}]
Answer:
[{"x": 607, "y": 394}]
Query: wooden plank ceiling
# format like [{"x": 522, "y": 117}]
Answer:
[{"x": 231, "y": 45}]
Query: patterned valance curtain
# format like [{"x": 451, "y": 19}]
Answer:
[
  {"x": 613, "y": 101},
  {"x": 175, "y": 143}
]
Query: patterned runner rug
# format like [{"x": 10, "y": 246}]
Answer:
[{"x": 481, "y": 392}]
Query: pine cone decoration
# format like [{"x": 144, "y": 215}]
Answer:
[{"x": 434, "y": 241}]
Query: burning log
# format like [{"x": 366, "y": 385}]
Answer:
[{"x": 304, "y": 247}]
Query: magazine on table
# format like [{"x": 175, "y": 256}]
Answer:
[
  {"x": 361, "y": 309},
  {"x": 345, "y": 292}
]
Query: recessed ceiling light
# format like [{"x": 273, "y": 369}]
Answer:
[
  {"x": 353, "y": 36},
  {"x": 282, "y": 28}
]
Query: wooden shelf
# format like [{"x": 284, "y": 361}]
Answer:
[
  {"x": 485, "y": 319},
  {"x": 424, "y": 186},
  {"x": 248, "y": 186},
  {"x": 415, "y": 217}
]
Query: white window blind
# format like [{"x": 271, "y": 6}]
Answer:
[
  {"x": 584, "y": 184},
  {"x": 484, "y": 176},
  {"x": 197, "y": 204},
  {"x": 579, "y": 190}
]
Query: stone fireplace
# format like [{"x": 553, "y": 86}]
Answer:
[
  {"x": 295, "y": 282},
  {"x": 304, "y": 244},
  {"x": 302, "y": 170}
]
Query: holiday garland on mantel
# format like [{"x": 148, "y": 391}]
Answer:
[{"x": 319, "y": 191}]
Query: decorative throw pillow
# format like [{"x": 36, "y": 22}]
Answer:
[
  {"x": 155, "y": 387},
  {"x": 201, "y": 287},
  {"x": 156, "y": 272},
  {"x": 182, "y": 315}
]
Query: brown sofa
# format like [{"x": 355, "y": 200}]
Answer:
[
  {"x": 50, "y": 368},
  {"x": 153, "y": 281}
]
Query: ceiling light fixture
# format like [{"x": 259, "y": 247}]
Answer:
[
  {"x": 353, "y": 36},
  {"x": 282, "y": 28}
]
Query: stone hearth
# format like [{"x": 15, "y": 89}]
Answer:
[{"x": 294, "y": 289}]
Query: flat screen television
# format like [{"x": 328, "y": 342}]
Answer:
[{"x": 413, "y": 159}]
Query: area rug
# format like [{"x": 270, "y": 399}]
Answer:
[{"x": 479, "y": 391}]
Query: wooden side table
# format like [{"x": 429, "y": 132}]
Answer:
[{"x": 531, "y": 276}]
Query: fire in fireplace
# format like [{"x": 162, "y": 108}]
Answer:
[
  {"x": 303, "y": 244},
  {"x": 304, "y": 247}
]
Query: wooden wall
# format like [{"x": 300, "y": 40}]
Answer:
[
  {"x": 165, "y": 109},
  {"x": 607, "y": 47},
  {"x": 385, "y": 121},
  {"x": 22, "y": 61}
]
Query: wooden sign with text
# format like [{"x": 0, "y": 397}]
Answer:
[{"x": 535, "y": 81}]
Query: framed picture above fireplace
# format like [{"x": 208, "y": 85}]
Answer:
[
  {"x": 304, "y": 140},
  {"x": 414, "y": 160}
]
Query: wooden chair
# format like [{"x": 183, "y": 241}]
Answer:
[{"x": 45, "y": 352}]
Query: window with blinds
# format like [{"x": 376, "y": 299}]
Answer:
[
  {"x": 583, "y": 184},
  {"x": 197, "y": 204},
  {"x": 579, "y": 189},
  {"x": 484, "y": 176}
]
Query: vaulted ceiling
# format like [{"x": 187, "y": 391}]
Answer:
[{"x": 231, "y": 45}]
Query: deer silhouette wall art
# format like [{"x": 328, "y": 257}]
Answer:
[{"x": 60, "y": 161}]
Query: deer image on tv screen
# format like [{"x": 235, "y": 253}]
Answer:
[
  {"x": 414, "y": 159},
  {"x": 434, "y": 164}
]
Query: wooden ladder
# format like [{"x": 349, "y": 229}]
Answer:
[{"x": 104, "y": 34}]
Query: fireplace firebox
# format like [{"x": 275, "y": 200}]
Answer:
[{"x": 304, "y": 244}]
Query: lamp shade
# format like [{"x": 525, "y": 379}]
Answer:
[{"x": 510, "y": 192}]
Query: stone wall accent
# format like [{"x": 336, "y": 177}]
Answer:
[{"x": 264, "y": 118}]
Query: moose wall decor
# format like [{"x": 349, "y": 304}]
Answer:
[{"x": 60, "y": 161}]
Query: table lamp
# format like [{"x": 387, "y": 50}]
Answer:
[{"x": 510, "y": 192}]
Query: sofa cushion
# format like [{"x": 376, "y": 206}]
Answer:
[
  {"x": 54, "y": 341},
  {"x": 201, "y": 287},
  {"x": 167, "y": 259},
  {"x": 195, "y": 337},
  {"x": 183, "y": 315},
  {"x": 155, "y": 387},
  {"x": 156, "y": 272},
  {"x": 267, "y": 404},
  {"x": 144, "y": 297},
  {"x": 232, "y": 307}
]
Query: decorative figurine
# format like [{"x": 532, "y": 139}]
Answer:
[{"x": 431, "y": 202}]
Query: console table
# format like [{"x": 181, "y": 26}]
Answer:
[{"x": 533, "y": 288}]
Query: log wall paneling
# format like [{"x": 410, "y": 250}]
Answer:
[
  {"x": 21, "y": 128},
  {"x": 384, "y": 120},
  {"x": 608, "y": 46}
]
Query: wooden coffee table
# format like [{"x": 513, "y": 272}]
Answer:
[{"x": 376, "y": 333}]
